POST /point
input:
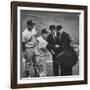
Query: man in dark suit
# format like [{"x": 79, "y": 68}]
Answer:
[
  {"x": 52, "y": 48},
  {"x": 66, "y": 54},
  {"x": 61, "y": 50}
]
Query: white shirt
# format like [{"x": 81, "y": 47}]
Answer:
[
  {"x": 28, "y": 37},
  {"x": 41, "y": 47},
  {"x": 42, "y": 42}
]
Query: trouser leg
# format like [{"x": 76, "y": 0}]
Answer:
[
  {"x": 55, "y": 66},
  {"x": 27, "y": 68},
  {"x": 41, "y": 66},
  {"x": 44, "y": 68},
  {"x": 29, "y": 57},
  {"x": 27, "y": 73},
  {"x": 35, "y": 66},
  {"x": 66, "y": 70}
]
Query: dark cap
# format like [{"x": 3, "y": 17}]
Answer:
[
  {"x": 29, "y": 22},
  {"x": 44, "y": 31},
  {"x": 59, "y": 27},
  {"x": 51, "y": 27}
]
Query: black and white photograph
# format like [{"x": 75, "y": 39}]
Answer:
[{"x": 50, "y": 44}]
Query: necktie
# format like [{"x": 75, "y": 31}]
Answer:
[
  {"x": 59, "y": 36},
  {"x": 54, "y": 36}
]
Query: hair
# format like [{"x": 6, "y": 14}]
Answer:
[
  {"x": 59, "y": 27},
  {"x": 29, "y": 22},
  {"x": 44, "y": 31},
  {"x": 51, "y": 27}
]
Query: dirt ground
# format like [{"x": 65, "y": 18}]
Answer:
[{"x": 75, "y": 69}]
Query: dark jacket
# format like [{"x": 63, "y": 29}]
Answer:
[
  {"x": 51, "y": 42},
  {"x": 62, "y": 40},
  {"x": 66, "y": 54}
]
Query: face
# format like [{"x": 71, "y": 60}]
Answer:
[
  {"x": 45, "y": 36},
  {"x": 30, "y": 27},
  {"x": 53, "y": 31},
  {"x": 60, "y": 31}
]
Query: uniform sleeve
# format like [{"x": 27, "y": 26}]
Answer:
[{"x": 42, "y": 44}]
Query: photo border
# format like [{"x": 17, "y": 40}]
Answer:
[{"x": 14, "y": 6}]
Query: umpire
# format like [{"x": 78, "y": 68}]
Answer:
[
  {"x": 66, "y": 54},
  {"x": 52, "y": 48}
]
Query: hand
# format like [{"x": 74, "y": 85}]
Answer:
[
  {"x": 52, "y": 52},
  {"x": 57, "y": 46}
]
